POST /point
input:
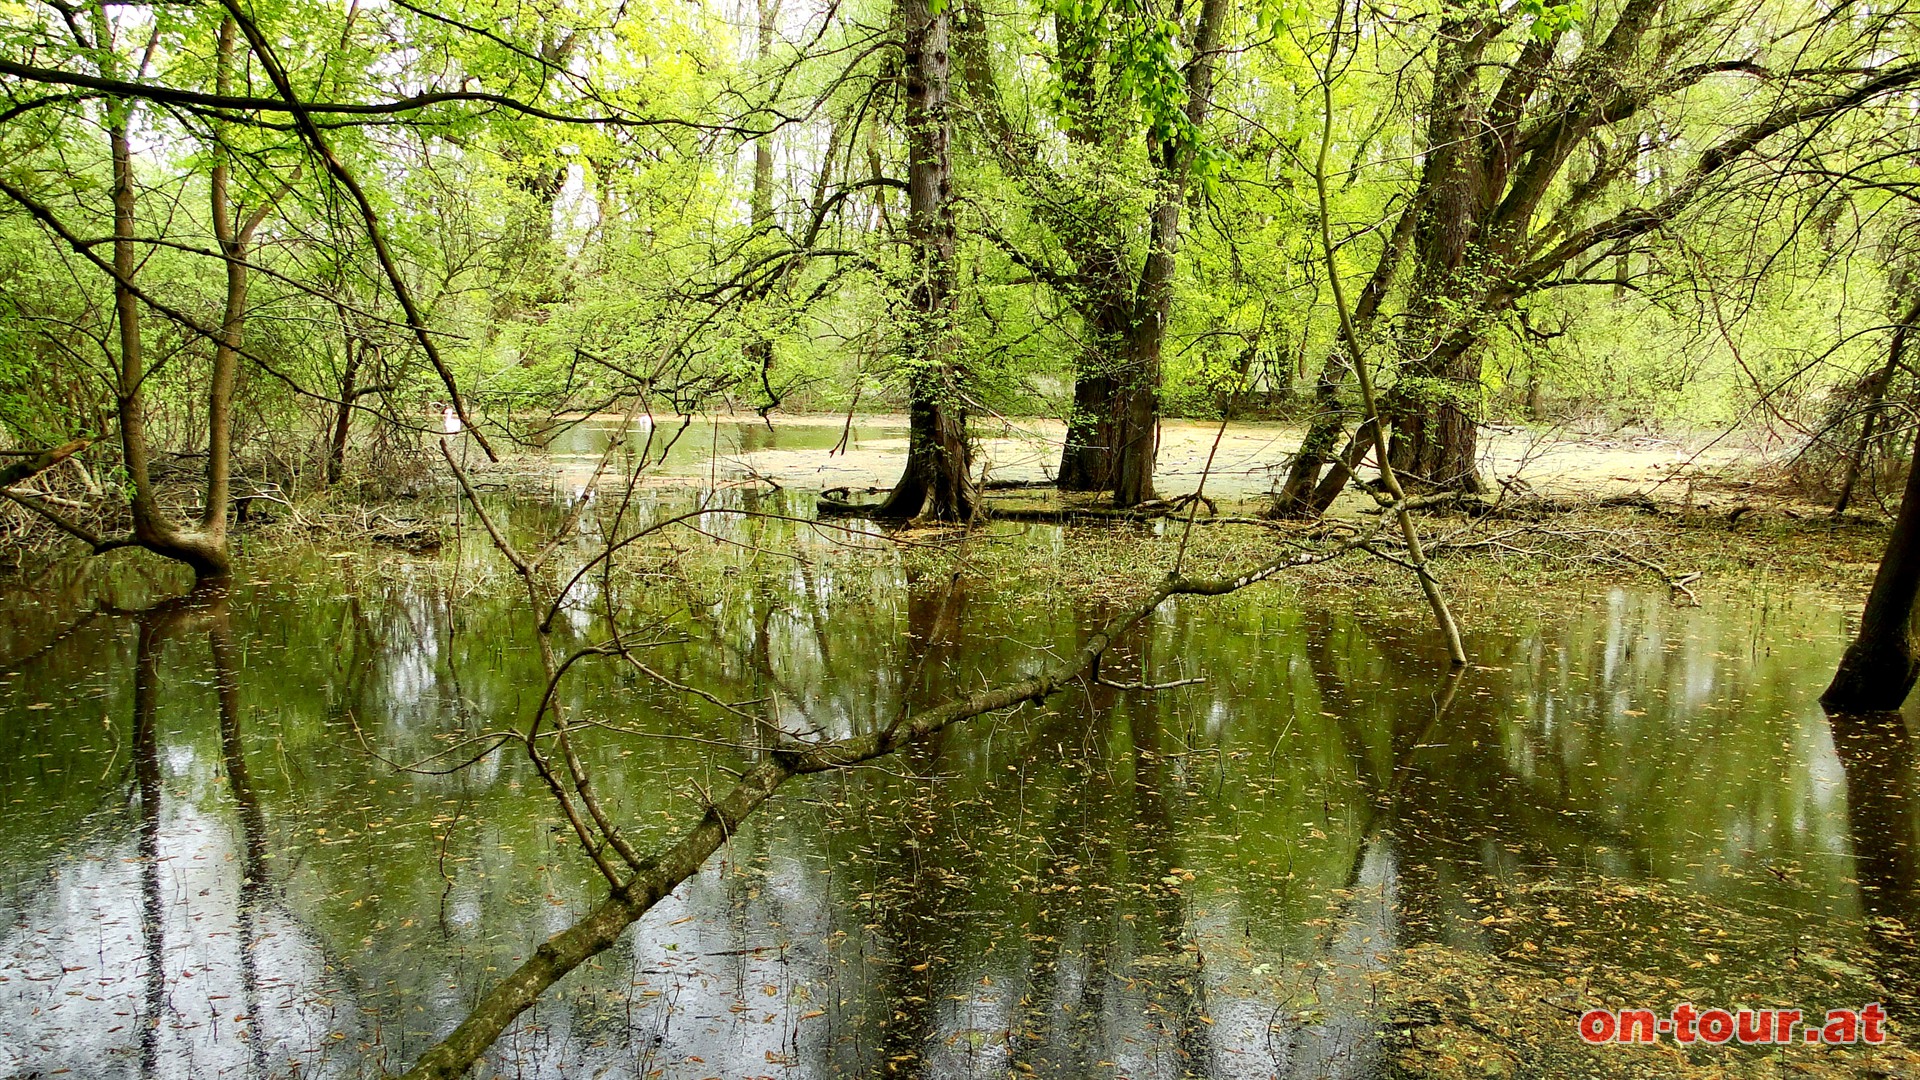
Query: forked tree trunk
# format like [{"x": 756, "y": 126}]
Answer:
[
  {"x": 203, "y": 545},
  {"x": 1879, "y": 668},
  {"x": 1300, "y": 495},
  {"x": 937, "y": 480},
  {"x": 1136, "y": 438}
]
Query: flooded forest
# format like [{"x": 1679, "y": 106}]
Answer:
[{"x": 1134, "y": 539}]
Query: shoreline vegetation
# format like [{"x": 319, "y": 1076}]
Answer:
[{"x": 1632, "y": 510}]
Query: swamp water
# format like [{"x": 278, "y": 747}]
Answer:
[{"x": 210, "y": 867}]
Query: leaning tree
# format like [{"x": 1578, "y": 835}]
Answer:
[{"x": 1538, "y": 131}]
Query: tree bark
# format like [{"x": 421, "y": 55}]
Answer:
[
  {"x": 235, "y": 235},
  {"x": 1103, "y": 285},
  {"x": 29, "y": 467},
  {"x": 937, "y": 479},
  {"x": 760, "y": 349},
  {"x": 1086, "y": 458},
  {"x": 1136, "y": 438},
  {"x": 1299, "y": 496},
  {"x": 1435, "y": 434},
  {"x": 1136, "y": 390},
  {"x": 1106, "y": 295},
  {"x": 205, "y": 554},
  {"x": 1113, "y": 428},
  {"x": 1879, "y": 668}
]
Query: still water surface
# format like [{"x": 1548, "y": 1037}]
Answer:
[{"x": 209, "y": 866}]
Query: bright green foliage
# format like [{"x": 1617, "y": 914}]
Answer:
[{"x": 583, "y": 237}]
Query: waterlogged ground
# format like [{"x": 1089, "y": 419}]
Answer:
[
  {"x": 1239, "y": 460},
  {"x": 1330, "y": 859}
]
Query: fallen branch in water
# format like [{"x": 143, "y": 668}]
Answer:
[{"x": 653, "y": 878}]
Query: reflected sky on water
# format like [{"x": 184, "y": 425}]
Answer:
[{"x": 209, "y": 865}]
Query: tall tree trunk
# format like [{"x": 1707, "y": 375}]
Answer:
[
  {"x": 151, "y": 528},
  {"x": 1106, "y": 289},
  {"x": 1879, "y": 668},
  {"x": 126, "y": 309},
  {"x": 1461, "y": 180},
  {"x": 760, "y": 349},
  {"x": 1136, "y": 438},
  {"x": 1136, "y": 385},
  {"x": 234, "y": 237},
  {"x": 937, "y": 477},
  {"x": 1103, "y": 284}
]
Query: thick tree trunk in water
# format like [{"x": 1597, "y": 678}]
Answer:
[
  {"x": 1086, "y": 461},
  {"x": 1136, "y": 385},
  {"x": 205, "y": 553},
  {"x": 1879, "y": 668},
  {"x": 1436, "y": 444},
  {"x": 937, "y": 479},
  {"x": 1435, "y": 437},
  {"x": 1105, "y": 286},
  {"x": 1137, "y": 436}
]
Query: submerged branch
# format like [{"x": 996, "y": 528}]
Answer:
[{"x": 600, "y": 927}]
